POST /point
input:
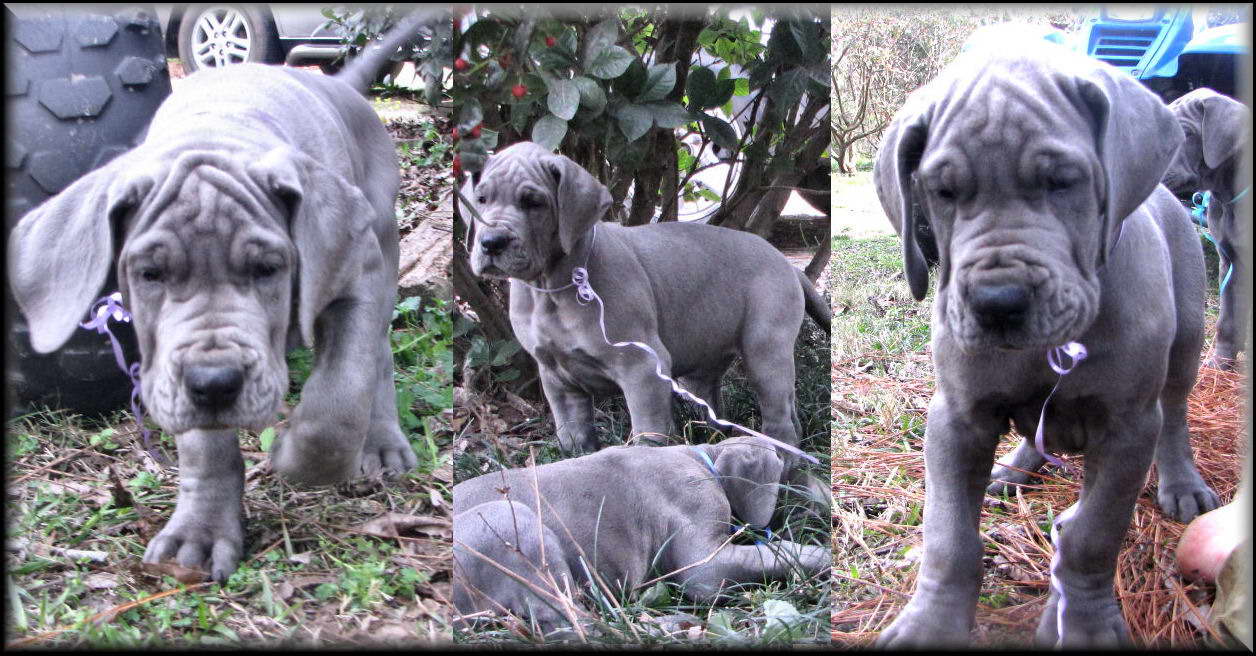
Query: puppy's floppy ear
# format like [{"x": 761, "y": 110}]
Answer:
[
  {"x": 903, "y": 158},
  {"x": 580, "y": 200},
  {"x": 61, "y": 252},
  {"x": 1136, "y": 138},
  {"x": 1223, "y": 128},
  {"x": 749, "y": 474},
  {"x": 329, "y": 221}
]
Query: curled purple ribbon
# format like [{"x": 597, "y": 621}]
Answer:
[
  {"x": 104, "y": 309},
  {"x": 1075, "y": 352}
]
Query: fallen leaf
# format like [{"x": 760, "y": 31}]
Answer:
[
  {"x": 394, "y": 525},
  {"x": 180, "y": 573}
]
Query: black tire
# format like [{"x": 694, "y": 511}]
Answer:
[
  {"x": 82, "y": 89},
  {"x": 253, "y": 22}
]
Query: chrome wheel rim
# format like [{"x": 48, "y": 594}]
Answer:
[{"x": 221, "y": 37}]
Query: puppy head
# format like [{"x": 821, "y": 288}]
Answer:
[
  {"x": 750, "y": 471},
  {"x": 533, "y": 207},
  {"x": 208, "y": 251},
  {"x": 1215, "y": 128},
  {"x": 1025, "y": 166}
]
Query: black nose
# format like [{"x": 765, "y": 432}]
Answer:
[
  {"x": 213, "y": 387},
  {"x": 999, "y": 304},
  {"x": 495, "y": 242}
]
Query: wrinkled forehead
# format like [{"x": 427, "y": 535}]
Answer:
[
  {"x": 208, "y": 205},
  {"x": 1007, "y": 105},
  {"x": 520, "y": 165}
]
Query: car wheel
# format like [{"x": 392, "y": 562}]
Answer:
[
  {"x": 211, "y": 36},
  {"x": 82, "y": 87}
]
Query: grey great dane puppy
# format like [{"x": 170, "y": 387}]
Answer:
[
  {"x": 1038, "y": 173},
  {"x": 1216, "y": 132},
  {"x": 624, "y": 511},
  {"x": 698, "y": 295},
  {"x": 257, "y": 212}
]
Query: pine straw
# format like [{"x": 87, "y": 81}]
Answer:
[{"x": 878, "y": 492}]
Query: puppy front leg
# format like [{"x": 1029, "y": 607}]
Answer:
[
  {"x": 1089, "y": 541},
  {"x": 735, "y": 563},
  {"x": 959, "y": 451},
  {"x": 573, "y": 413},
  {"x": 206, "y": 530},
  {"x": 649, "y": 398},
  {"x": 325, "y": 436}
]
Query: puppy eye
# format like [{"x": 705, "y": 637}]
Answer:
[
  {"x": 1058, "y": 184},
  {"x": 945, "y": 194},
  {"x": 481, "y": 200},
  {"x": 262, "y": 270},
  {"x": 151, "y": 274},
  {"x": 529, "y": 202}
]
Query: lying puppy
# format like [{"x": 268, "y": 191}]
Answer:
[
  {"x": 698, "y": 295},
  {"x": 259, "y": 204},
  {"x": 1216, "y": 131},
  {"x": 1038, "y": 174},
  {"x": 623, "y": 512}
]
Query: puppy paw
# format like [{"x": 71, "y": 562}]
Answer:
[
  {"x": 1185, "y": 500},
  {"x": 309, "y": 454},
  {"x": 925, "y": 626},
  {"x": 1005, "y": 480},
  {"x": 209, "y": 542},
  {"x": 387, "y": 453},
  {"x": 1087, "y": 624}
]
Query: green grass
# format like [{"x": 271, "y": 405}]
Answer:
[
  {"x": 660, "y": 615},
  {"x": 311, "y": 576}
]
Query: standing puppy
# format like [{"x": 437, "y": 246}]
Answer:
[
  {"x": 257, "y": 212},
  {"x": 1038, "y": 174},
  {"x": 698, "y": 295},
  {"x": 1216, "y": 131}
]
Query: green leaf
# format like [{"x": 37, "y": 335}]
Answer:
[
  {"x": 549, "y": 131},
  {"x": 609, "y": 63},
  {"x": 669, "y": 115},
  {"x": 807, "y": 35},
  {"x": 701, "y": 87},
  {"x": 720, "y": 132},
  {"x": 660, "y": 79},
  {"x": 634, "y": 120},
  {"x": 782, "y": 621},
  {"x": 656, "y": 596},
  {"x": 720, "y": 624},
  {"x": 600, "y": 37},
  {"x": 632, "y": 81},
  {"x": 267, "y": 438},
  {"x": 592, "y": 97},
  {"x": 563, "y": 98}
]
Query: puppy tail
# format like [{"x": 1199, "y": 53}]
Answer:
[
  {"x": 360, "y": 71},
  {"x": 817, "y": 307}
]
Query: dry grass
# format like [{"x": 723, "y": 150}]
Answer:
[{"x": 879, "y": 405}]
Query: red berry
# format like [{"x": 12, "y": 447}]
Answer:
[
  {"x": 550, "y": 41},
  {"x": 475, "y": 132},
  {"x": 457, "y": 166},
  {"x": 504, "y": 60},
  {"x": 455, "y": 134},
  {"x": 460, "y": 64},
  {"x": 518, "y": 90}
]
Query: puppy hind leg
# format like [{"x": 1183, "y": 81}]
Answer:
[{"x": 1007, "y": 475}]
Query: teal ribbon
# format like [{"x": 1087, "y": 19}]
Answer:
[{"x": 1199, "y": 213}]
